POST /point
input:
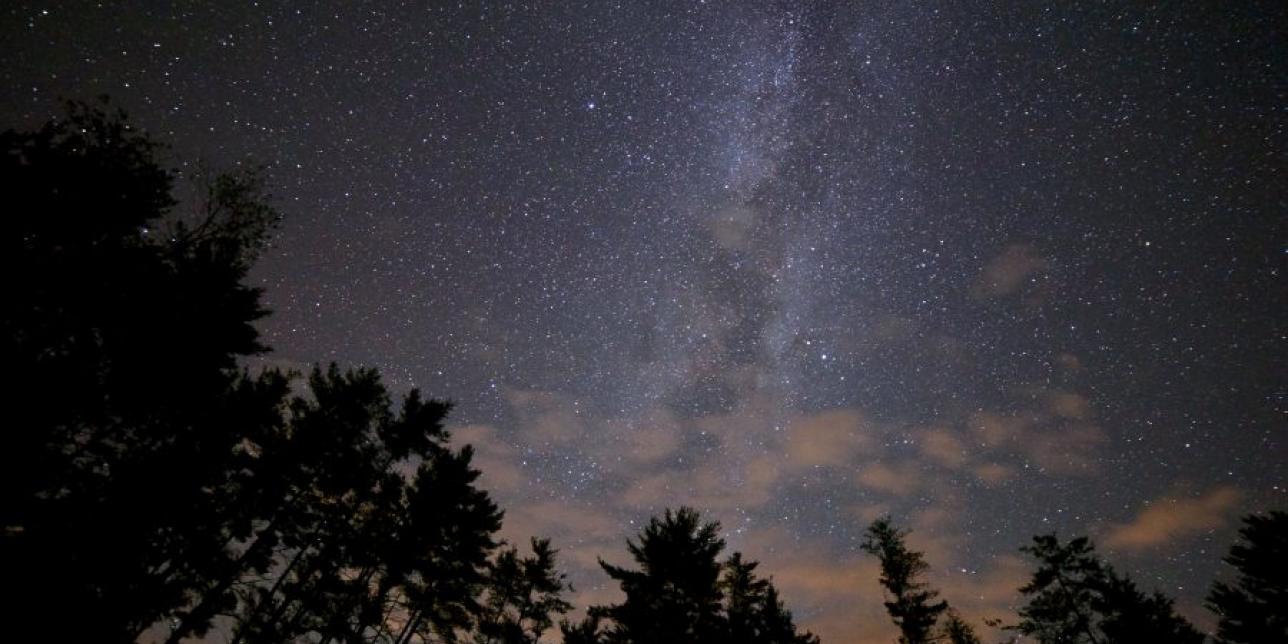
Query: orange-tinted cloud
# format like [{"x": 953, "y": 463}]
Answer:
[
  {"x": 899, "y": 479},
  {"x": 993, "y": 473},
  {"x": 653, "y": 437},
  {"x": 944, "y": 447},
  {"x": 996, "y": 430},
  {"x": 1004, "y": 274},
  {"x": 1051, "y": 437},
  {"x": 830, "y": 438},
  {"x": 1066, "y": 404},
  {"x": 1166, "y": 520}
]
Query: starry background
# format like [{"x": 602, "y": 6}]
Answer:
[{"x": 995, "y": 269}]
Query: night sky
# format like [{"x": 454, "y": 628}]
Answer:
[{"x": 995, "y": 270}]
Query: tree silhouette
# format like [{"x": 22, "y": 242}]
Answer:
[
  {"x": 1254, "y": 610},
  {"x": 1074, "y": 597},
  {"x": 150, "y": 479},
  {"x": 911, "y": 602},
  {"x": 753, "y": 611},
  {"x": 524, "y": 594},
  {"x": 675, "y": 595},
  {"x": 125, "y": 328},
  {"x": 359, "y": 540},
  {"x": 590, "y": 630},
  {"x": 957, "y": 630},
  {"x": 682, "y": 593}
]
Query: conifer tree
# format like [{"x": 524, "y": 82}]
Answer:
[
  {"x": 1254, "y": 608},
  {"x": 957, "y": 630},
  {"x": 753, "y": 611},
  {"x": 681, "y": 592},
  {"x": 1076, "y": 598},
  {"x": 910, "y": 601},
  {"x": 674, "y": 595}
]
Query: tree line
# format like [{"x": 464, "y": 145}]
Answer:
[{"x": 152, "y": 484}]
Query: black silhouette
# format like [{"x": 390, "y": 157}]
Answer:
[
  {"x": 910, "y": 601},
  {"x": 957, "y": 630},
  {"x": 1254, "y": 610},
  {"x": 123, "y": 328},
  {"x": 524, "y": 594},
  {"x": 753, "y": 609},
  {"x": 356, "y": 540},
  {"x": 148, "y": 479},
  {"x": 681, "y": 593},
  {"x": 1074, "y": 597}
]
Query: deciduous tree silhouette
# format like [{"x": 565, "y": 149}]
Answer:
[
  {"x": 910, "y": 602},
  {"x": 148, "y": 478},
  {"x": 125, "y": 329},
  {"x": 363, "y": 542},
  {"x": 1254, "y": 609},
  {"x": 524, "y": 596},
  {"x": 1074, "y": 597},
  {"x": 682, "y": 593}
]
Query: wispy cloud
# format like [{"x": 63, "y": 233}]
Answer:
[{"x": 1164, "y": 521}]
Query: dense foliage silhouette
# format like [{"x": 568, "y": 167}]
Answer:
[
  {"x": 957, "y": 630},
  {"x": 124, "y": 328},
  {"x": 1254, "y": 609},
  {"x": 681, "y": 592},
  {"x": 1075, "y": 597},
  {"x": 524, "y": 595},
  {"x": 150, "y": 480}
]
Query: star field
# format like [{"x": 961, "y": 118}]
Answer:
[{"x": 995, "y": 269}]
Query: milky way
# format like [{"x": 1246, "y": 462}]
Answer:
[{"x": 992, "y": 270}]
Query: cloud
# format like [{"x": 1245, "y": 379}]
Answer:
[
  {"x": 831, "y": 438},
  {"x": 899, "y": 479},
  {"x": 943, "y": 446},
  {"x": 653, "y": 437},
  {"x": 1052, "y": 437},
  {"x": 993, "y": 474},
  {"x": 1065, "y": 448},
  {"x": 545, "y": 417},
  {"x": 1005, "y": 274},
  {"x": 732, "y": 465},
  {"x": 995, "y": 430},
  {"x": 1167, "y": 520}
]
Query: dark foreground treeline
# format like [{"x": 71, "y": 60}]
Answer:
[{"x": 152, "y": 488}]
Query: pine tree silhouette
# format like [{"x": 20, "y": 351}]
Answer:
[
  {"x": 1074, "y": 597},
  {"x": 682, "y": 593},
  {"x": 911, "y": 602},
  {"x": 1254, "y": 609},
  {"x": 957, "y": 630},
  {"x": 753, "y": 612}
]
